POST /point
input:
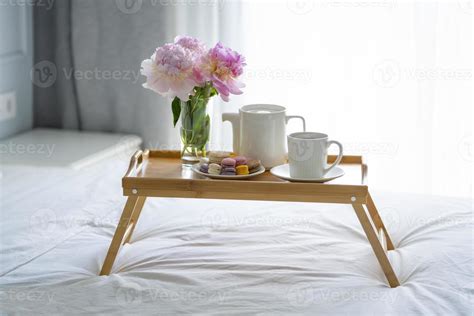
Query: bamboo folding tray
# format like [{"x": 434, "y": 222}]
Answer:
[{"x": 160, "y": 174}]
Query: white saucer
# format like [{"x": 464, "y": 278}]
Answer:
[
  {"x": 283, "y": 172},
  {"x": 196, "y": 167}
]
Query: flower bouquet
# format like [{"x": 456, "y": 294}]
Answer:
[{"x": 189, "y": 74}]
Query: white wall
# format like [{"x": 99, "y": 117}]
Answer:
[{"x": 16, "y": 55}]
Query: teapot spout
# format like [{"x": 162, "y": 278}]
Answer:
[{"x": 234, "y": 119}]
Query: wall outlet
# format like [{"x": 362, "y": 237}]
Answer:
[{"x": 7, "y": 106}]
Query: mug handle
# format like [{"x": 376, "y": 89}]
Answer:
[
  {"x": 289, "y": 117},
  {"x": 339, "y": 157}
]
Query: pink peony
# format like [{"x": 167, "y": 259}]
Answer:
[
  {"x": 222, "y": 66},
  {"x": 197, "y": 48},
  {"x": 176, "y": 69},
  {"x": 171, "y": 70}
]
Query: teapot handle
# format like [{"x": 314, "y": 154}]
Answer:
[
  {"x": 234, "y": 119},
  {"x": 289, "y": 117}
]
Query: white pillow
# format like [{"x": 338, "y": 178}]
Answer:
[{"x": 65, "y": 148}]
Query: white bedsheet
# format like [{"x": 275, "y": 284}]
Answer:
[{"x": 223, "y": 257}]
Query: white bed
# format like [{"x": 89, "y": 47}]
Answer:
[{"x": 222, "y": 257}]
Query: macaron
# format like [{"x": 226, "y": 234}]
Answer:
[
  {"x": 242, "y": 170},
  {"x": 253, "y": 165},
  {"x": 204, "y": 168},
  {"x": 214, "y": 169},
  {"x": 217, "y": 156},
  {"x": 240, "y": 160},
  {"x": 229, "y": 171},
  {"x": 228, "y": 163}
]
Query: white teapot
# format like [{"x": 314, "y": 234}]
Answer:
[{"x": 259, "y": 131}]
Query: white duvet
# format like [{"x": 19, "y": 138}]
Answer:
[{"x": 223, "y": 257}]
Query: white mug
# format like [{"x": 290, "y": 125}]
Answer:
[{"x": 308, "y": 153}]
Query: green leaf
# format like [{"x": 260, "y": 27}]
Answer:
[
  {"x": 176, "y": 108},
  {"x": 213, "y": 92}
]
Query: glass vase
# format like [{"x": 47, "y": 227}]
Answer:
[{"x": 195, "y": 128}]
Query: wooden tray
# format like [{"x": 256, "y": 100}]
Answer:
[{"x": 160, "y": 174}]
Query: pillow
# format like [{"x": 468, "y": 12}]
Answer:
[{"x": 65, "y": 148}]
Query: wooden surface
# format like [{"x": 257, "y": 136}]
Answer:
[
  {"x": 122, "y": 227},
  {"x": 161, "y": 174},
  {"x": 376, "y": 245},
  {"x": 167, "y": 165}
]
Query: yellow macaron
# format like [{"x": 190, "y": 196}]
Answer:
[{"x": 242, "y": 170}]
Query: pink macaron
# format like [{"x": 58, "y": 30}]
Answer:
[
  {"x": 240, "y": 160},
  {"x": 228, "y": 163}
]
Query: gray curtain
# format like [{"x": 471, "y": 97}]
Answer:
[
  {"x": 90, "y": 51},
  {"x": 51, "y": 52}
]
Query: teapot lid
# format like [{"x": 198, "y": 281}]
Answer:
[{"x": 263, "y": 108}]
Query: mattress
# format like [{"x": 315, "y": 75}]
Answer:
[{"x": 222, "y": 257}]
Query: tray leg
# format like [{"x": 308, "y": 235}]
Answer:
[
  {"x": 136, "y": 214},
  {"x": 376, "y": 245},
  {"x": 118, "y": 236},
  {"x": 374, "y": 214}
]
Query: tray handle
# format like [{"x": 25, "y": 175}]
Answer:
[
  {"x": 364, "y": 170},
  {"x": 136, "y": 162},
  {"x": 350, "y": 159}
]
